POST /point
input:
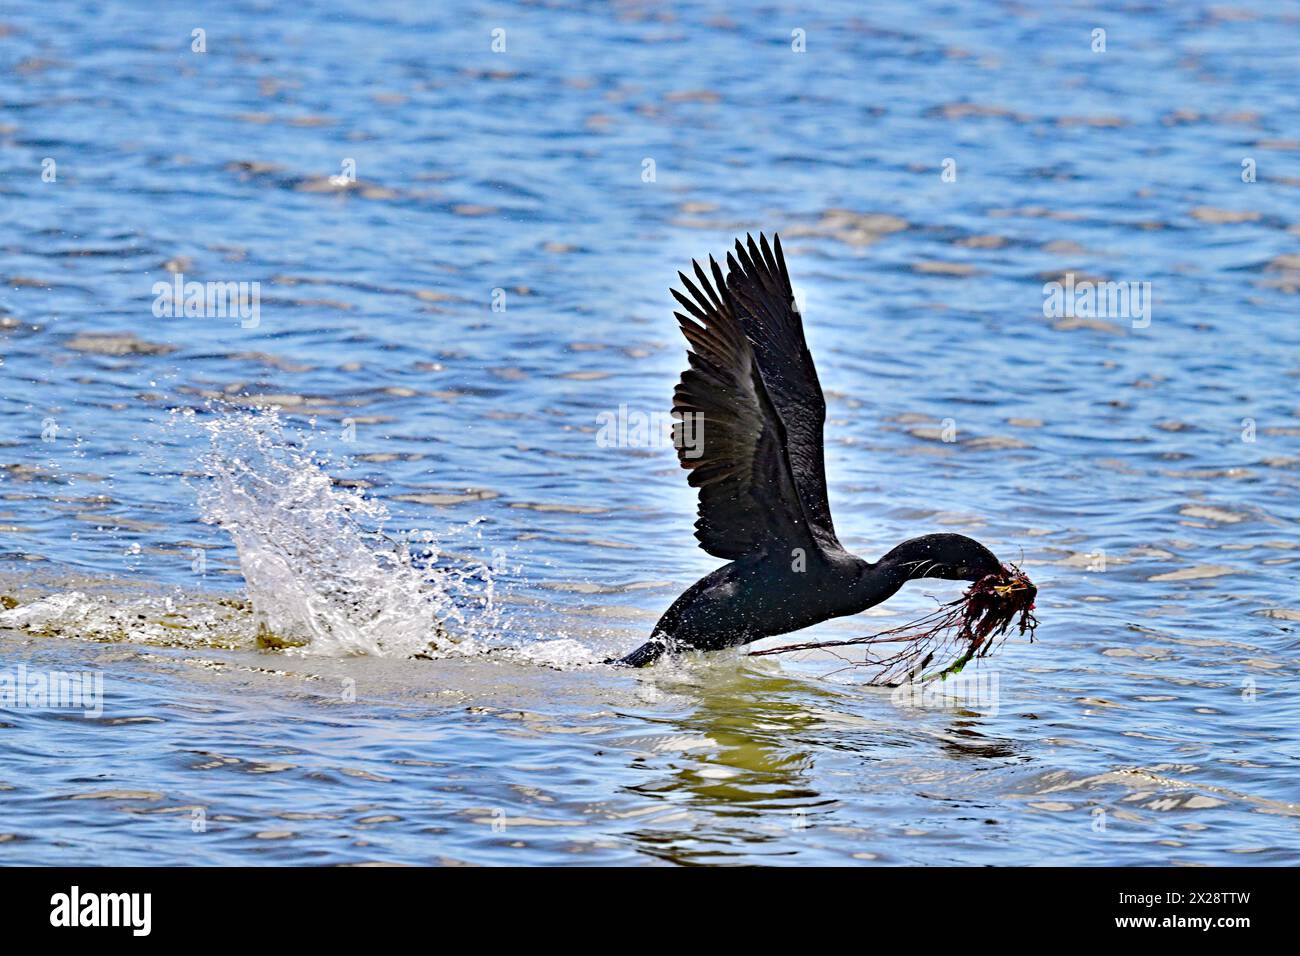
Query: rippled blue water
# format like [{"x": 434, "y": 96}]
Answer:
[{"x": 1145, "y": 473}]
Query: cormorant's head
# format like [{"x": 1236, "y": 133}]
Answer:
[{"x": 953, "y": 557}]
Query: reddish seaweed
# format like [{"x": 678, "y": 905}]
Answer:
[{"x": 959, "y": 631}]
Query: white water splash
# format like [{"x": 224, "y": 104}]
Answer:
[
  {"x": 163, "y": 620},
  {"x": 319, "y": 570},
  {"x": 561, "y": 654},
  {"x": 49, "y": 611}
]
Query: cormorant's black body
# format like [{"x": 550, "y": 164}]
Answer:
[{"x": 756, "y": 402}]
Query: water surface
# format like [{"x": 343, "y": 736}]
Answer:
[{"x": 1144, "y": 474}]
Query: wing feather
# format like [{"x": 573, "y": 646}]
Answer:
[
  {"x": 759, "y": 286},
  {"x": 728, "y": 433}
]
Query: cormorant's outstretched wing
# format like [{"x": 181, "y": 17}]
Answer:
[
  {"x": 729, "y": 433},
  {"x": 759, "y": 285}
]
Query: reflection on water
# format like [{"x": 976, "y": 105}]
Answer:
[{"x": 462, "y": 265}]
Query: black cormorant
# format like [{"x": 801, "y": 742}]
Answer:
[{"x": 752, "y": 389}]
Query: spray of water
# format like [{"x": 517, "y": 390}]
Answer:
[
  {"x": 322, "y": 570},
  {"x": 325, "y": 572}
]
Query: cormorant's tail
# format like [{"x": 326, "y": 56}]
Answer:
[{"x": 645, "y": 655}]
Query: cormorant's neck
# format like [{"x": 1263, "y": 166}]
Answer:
[
  {"x": 876, "y": 582},
  {"x": 953, "y": 557}
]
